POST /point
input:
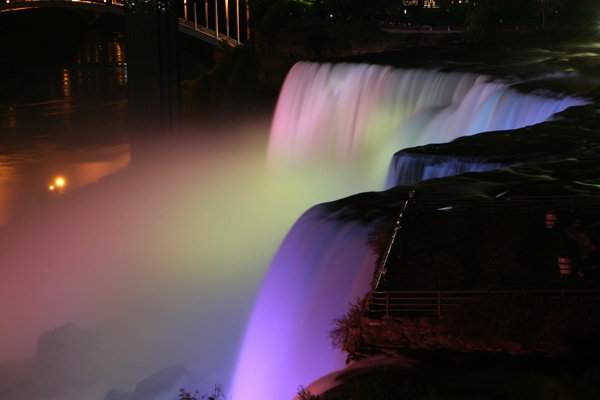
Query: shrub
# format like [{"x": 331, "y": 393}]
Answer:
[
  {"x": 340, "y": 336},
  {"x": 304, "y": 394},
  {"x": 217, "y": 394}
]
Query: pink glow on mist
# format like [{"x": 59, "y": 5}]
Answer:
[{"x": 164, "y": 260}]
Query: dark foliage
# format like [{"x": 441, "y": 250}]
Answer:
[
  {"x": 304, "y": 394},
  {"x": 536, "y": 324},
  {"x": 340, "y": 335},
  {"x": 216, "y": 394}
]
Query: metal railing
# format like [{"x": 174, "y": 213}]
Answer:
[
  {"x": 187, "y": 26},
  {"x": 415, "y": 303},
  {"x": 397, "y": 227},
  {"x": 118, "y": 3}
]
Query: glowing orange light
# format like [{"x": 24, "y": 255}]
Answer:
[
  {"x": 51, "y": 187},
  {"x": 60, "y": 182}
]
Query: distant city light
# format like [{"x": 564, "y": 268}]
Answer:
[{"x": 59, "y": 183}]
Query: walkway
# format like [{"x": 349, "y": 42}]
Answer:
[{"x": 447, "y": 252}]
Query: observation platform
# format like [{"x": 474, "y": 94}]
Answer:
[{"x": 462, "y": 249}]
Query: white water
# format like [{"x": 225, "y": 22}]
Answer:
[
  {"x": 355, "y": 117},
  {"x": 410, "y": 168},
  {"x": 352, "y": 119},
  {"x": 165, "y": 261},
  {"x": 316, "y": 270}
]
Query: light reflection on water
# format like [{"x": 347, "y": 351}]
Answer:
[
  {"x": 66, "y": 120},
  {"x": 26, "y": 176},
  {"x": 166, "y": 249}
]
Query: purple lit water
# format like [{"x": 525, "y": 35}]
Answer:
[
  {"x": 352, "y": 119},
  {"x": 165, "y": 261},
  {"x": 355, "y": 117}
]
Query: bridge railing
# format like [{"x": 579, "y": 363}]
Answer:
[
  {"x": 396, "y": 304},
  {"x": 188, "y": 22},
  {"x": 219, "y": 37},
  {"x": 119, "y": 3}
]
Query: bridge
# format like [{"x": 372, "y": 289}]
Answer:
[
  {"x": 151, "y": 32},
  {"x": 217, "y": 22}
]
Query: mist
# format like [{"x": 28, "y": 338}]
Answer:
[{"x": 161, "y": 260}]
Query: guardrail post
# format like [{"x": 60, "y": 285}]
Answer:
[
  {"x": 237, "y": 20},
  {"x": 217, "y": 19},
  {"x": 387, "y": 304},
  {"x": 206, "y": 13},
  {"x": 195, "y": 17},
  {"x": 227, "y": 18}
]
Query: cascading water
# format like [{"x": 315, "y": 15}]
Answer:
[
  {"x": 314, "y": 263},
  {"x": 352, "y": 118},
  {"x": 406, "y": 169},
  {"x": 145, "y": 256},
  {"x": 355, "y": 117}
]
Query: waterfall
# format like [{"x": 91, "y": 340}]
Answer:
[
  {"x": 352, "y": 118},
  {"x": 356, "y": 116},
  {"x": 410, "y": 168},
  {"x": 322, "y": 265}
]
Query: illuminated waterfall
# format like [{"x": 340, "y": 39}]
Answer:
[
  {"x": 410, "y": 168},
  {"x": 352, "y": 118},
  {"x": 316, "y": 260},
  {"x": 164, "y": 260},
  {"x": 355, "y": 117}
]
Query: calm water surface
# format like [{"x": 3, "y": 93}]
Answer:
[{"x": 66, "y": 121}]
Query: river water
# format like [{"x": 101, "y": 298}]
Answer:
[
  {"x": 66, "y": 121},
  {"x": 162, "y": 262},
  {"x": 165, "y": 263}
]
